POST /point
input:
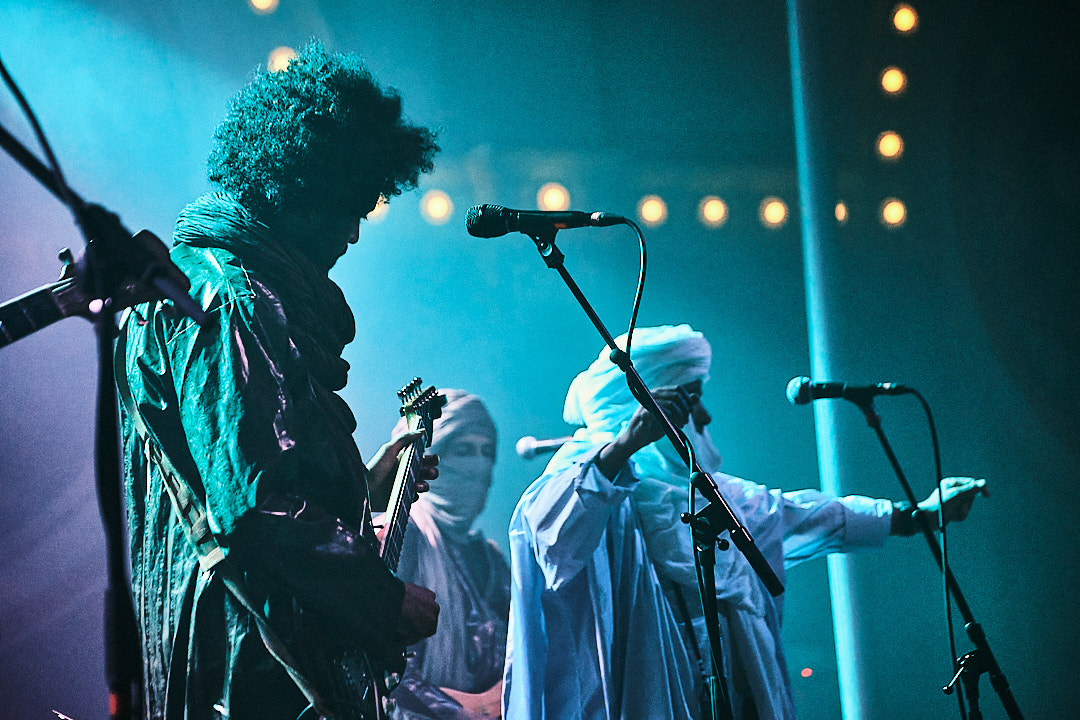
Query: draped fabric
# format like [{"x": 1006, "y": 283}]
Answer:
[
  {"x": 633, "y": 646},
  {"x": 246, "y": 408},
  {"x": 471, "y": 581}
]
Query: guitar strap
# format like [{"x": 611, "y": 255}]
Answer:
[{"x": 191, "y": 513}]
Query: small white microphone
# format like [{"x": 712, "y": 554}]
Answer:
[{"x": 529, "y": 447}]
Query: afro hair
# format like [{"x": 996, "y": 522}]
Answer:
[{"x": 320, "y": 133}]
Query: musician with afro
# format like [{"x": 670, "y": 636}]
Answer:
[{"x": 243, "y": 414}]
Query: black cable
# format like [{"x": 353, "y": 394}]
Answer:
[
  {"x": 66, "y": 195},
  {"x": 943, "y": 543},
  {"x": 642, "y": 264}
]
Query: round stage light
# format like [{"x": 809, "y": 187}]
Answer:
[
  {"x": 841, "y": 212},
  {"x": 652, "y": 210},
  {"x": 263, "y": 7},
  {"x": 280, "y": 57},
  {"x": 712, "y": 211},
  {"x": 893, "y": 212},
  {"x": 773, "y": 212},
  {"x": 436, "y": 207},
  {"x": 893, "y": 80},
  {"x": 890, "y": 145},
  {"x": 552, "y": 196},
  {"x": 904, "y": 18}
]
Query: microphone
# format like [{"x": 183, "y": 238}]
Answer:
[
  {"x": 529, "y": 447},
  {"x": 488, "y": 221},
  {"x": 802, "y": 390}
]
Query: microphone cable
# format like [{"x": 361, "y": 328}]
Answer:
[{"x": 943, "y": 545}]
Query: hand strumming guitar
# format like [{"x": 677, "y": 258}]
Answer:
[{"x": 419, "y": 615}]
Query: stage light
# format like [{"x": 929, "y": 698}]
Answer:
[
  {"x": 806, "y": 672},
  {"x": 552, "y": 196},
  {"x": 893, "y": 212},
  {"x": 652, "y": 210},
  {"x": 893, "y": 80},
  {"x": 890, "y": 145},
  {"x": 280, "y": 57},
  {"x": 841, "y": 213},
  {"x": 436, "y": 207},
  {"x": 904, "y": 18},
  {"x": 378, "y": 214},
  {"x": 263, "y": 7},
  {"x": 773, "y": 212},
  {"x": 712, "y": 211}
]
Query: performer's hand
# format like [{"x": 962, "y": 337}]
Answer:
[
  {"x": 677, "y": 404},
  {"x": 381, "y": 469},
  {"x": 419, "y": 615},
  {"x": 959, "y": 494}
]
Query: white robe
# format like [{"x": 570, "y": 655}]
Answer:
[{"x": 593, "y": 634}]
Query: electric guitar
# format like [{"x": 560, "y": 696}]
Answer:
[{"x": 365, "y": 682}]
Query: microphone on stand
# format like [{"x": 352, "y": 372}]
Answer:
[
  {"x": 803, "y": 390},
  {"x": 529, "y": 447},
  {"x": 488, "y": 221}
]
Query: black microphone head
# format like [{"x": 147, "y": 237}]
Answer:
[
  {"x": 798, "y": 390},
  {"x": 486, "y": 221}
]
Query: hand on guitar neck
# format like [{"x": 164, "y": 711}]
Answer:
[{"x": 382, "y": 467}]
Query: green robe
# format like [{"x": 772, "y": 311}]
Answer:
[{"x": 247, "y": 408}]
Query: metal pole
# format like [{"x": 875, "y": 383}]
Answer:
[{"x": 817, "y": 197}]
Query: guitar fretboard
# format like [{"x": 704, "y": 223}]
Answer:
[{"x": 399, "y": 520}]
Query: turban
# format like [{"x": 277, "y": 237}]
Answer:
[{"x": 599, "y": 398}]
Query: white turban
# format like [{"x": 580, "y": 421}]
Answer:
[{"x": 599, "y": 398}]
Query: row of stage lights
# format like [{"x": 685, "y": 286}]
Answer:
[
  {"x": 437, "y": 208},
  {"x": 713, "y": 212}
]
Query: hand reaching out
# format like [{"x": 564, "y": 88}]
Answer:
[{"x": 959, "y": 494}]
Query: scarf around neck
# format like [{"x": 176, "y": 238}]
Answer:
[{"x": 320, "y": 321}]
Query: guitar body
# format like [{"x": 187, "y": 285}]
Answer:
[{"x": 363, "y": 682}]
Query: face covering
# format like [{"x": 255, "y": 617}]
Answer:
[{"x": 458, "y": 495}]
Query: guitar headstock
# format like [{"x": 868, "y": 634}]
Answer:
[{"x": 421, "y": 408}]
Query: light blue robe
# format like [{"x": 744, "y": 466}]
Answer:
[{"x": 593, "y": 635}]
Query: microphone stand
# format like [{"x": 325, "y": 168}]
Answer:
[
  {"x": 708, "y": 523},
  {"x": 116, "y": 270},
  {"x": 980, "y": 660}
]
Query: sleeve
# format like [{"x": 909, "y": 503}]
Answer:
[
  {"x": 816, "y": 524},
  {"x": 567, "y": 511},
  {"x": 275, "y": 471}
]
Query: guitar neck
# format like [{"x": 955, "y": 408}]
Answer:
[
  {"x": 36, "y": 309},
  {"x": 400, "y": 504}
]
